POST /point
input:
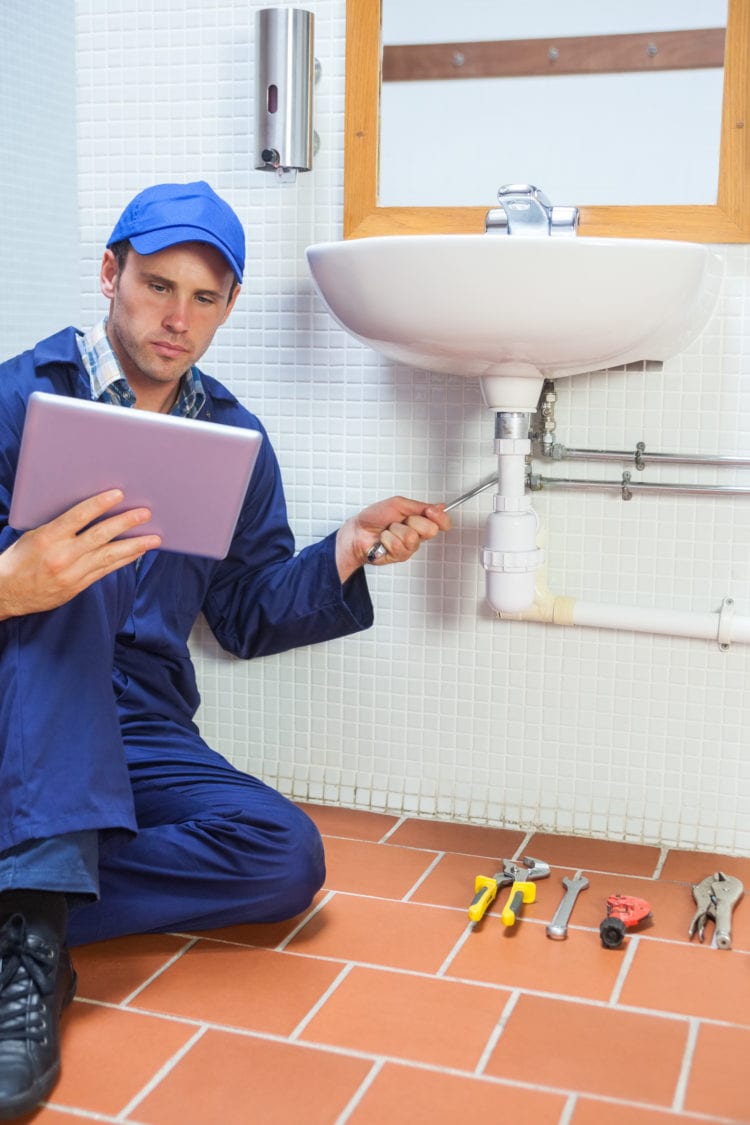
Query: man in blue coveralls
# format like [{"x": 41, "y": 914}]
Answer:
[{"x": 115, "y": 816}]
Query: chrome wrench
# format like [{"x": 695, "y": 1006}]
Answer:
[
  {"x": 557, "y": 929},
  {"x": 378, "y": 550}
]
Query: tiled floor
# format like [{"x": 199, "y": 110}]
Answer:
[{"x": 384, "y": 1005}]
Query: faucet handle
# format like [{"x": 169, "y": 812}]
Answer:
[
  {"x": 509, "y": 192},
  {"x": 526, "y": 211}
]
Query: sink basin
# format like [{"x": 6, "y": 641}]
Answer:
[{"x": 513, "y": 311}]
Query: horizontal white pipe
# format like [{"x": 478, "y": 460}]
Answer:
[
  {"x": 670, "y": 622},
  {"x": 724, "y": 627}
]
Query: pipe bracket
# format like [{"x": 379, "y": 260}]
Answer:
[
  {"x": 626, "y": 493},
  {"x": 726, "y": 613}
]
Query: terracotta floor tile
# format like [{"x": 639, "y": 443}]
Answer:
[
  {"x": 522, "y": 956},
  {"x": 691, "y": 979},
  {"x": 109, "y": 1054},
  {"x": 719, "y": 1074},
  {"x": 110, "y": 970},
  {"x": 265, "y": 935},
  {"x": 592, "y": 1049},
  {"x": 240, "y": 987},
  {"x": 576, "y": 852},
  {"x": 414, "y": 1018},
  {"x": 691, "y": 867},
  {"x": 228, "y": 1079},
  {"x": 423, "y": 1034},
  {"x": 472, "y": 839},
  {"x": 404, "y": 1095},
  {"x": 357, "y": 824},
  {"x": 591, "y": 1112},
  {"x": 373, "y": 869},
  {"x": 401, "y": 935}
]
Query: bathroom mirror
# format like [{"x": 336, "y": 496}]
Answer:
[{"x": 728, "y": 220}]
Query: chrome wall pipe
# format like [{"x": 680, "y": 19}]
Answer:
[
  {"x": 626, "y": 486},
  {"x": 639, "y": 457}
]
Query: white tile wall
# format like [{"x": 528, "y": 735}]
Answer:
[
  {"x": 39, "y": 251},
  {"x": 439, "y": 709}
]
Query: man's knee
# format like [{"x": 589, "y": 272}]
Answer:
[
  {"x": 305, "y": 863},
  {"x": 283, "y": 870}
]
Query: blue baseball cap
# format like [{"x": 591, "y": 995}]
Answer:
[{"x": 168, "y": 214}]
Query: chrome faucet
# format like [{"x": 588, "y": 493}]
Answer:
[{"x": 525, "y": 211}]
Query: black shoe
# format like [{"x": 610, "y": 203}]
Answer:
[{"x": 37, "y": 980}]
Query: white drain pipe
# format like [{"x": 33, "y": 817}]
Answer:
[
  {"x": 510, "y": 555},
  {"x": 725, "y": 627}
]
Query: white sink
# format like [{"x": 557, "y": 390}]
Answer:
[{"x": 513, "y": 311}]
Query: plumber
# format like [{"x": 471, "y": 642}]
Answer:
[{"x": 115, "y": 816}]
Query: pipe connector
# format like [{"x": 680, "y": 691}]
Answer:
[
  {"x": 548, "y": 608},
  {"x": 511, "y": 558}
]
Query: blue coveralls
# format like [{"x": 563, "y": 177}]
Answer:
[{"x": 97, "y": 700}]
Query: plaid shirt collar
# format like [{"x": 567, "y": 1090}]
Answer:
[{"x": 108, "y": 383}]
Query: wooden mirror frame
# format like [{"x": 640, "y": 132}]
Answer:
[{"x": 727, "y": 221}]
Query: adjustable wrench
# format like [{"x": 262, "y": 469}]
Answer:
[
  {"x": 523, "y": 889},
  {"x": 378, "y": 550},
  {"x": 557, "y": 929}
]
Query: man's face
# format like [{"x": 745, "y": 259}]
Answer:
[{"x": 164, "y": 311}]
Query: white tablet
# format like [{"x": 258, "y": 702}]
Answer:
[{"x": 192, "y": 475}]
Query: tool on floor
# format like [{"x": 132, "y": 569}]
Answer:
[
  {"x": 378, "y": 550},
  {"x": 557, "y": 929},
  {"x": 486, "y": 887},
  {"x": 520, "y": 893},
  {"x": 485, "y": 892},
  {"x": 523, "y": 888},
  {"x": 623, "y": 913},
  {"x": 716, "y": 897}
]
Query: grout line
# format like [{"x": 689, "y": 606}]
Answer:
[
  {"x": 678, "y": 1104},
  {"x": 568, "y": 1110},
  {"x": 357, "y": 1096},
  {"x": 442, "y": 1068},
  {"x": 468, "y": 930},
  {"x": 167, "y": 964},
  {"x": 423, "y": 876},
  {"x": 303, "y": 1023},
  {"x": 380, "y": 1059},
  {"x": 524, "y": 845},
  {"x": 563, "y": 997},
  {"x": 496, "y": 1032},
  {"x": 301, "y": 925},
  {"x": 85, "y": 1114},
  {"x": 394, "y": 828},
  {"x": 637, "y": 1106},
  {"x": 660, "y": 863},
  {"x": 627, "y": 961},
  {"x": 161, "y": 1073},
  {"x": 482, "y": 857}
]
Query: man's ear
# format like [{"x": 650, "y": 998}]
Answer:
[
  {"x": 231, "y": 302},
  {"x": 108, "y": 274}
]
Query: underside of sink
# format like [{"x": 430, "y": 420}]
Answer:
[{"x": 513, "y": 311}]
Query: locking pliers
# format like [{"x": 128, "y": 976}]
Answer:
[{"x": 716, "y": 896}]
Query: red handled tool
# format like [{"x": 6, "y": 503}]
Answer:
[{"x": 623, "y": 912}]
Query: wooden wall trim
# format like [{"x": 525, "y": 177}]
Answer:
[{"x": 588, "y": 54}]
